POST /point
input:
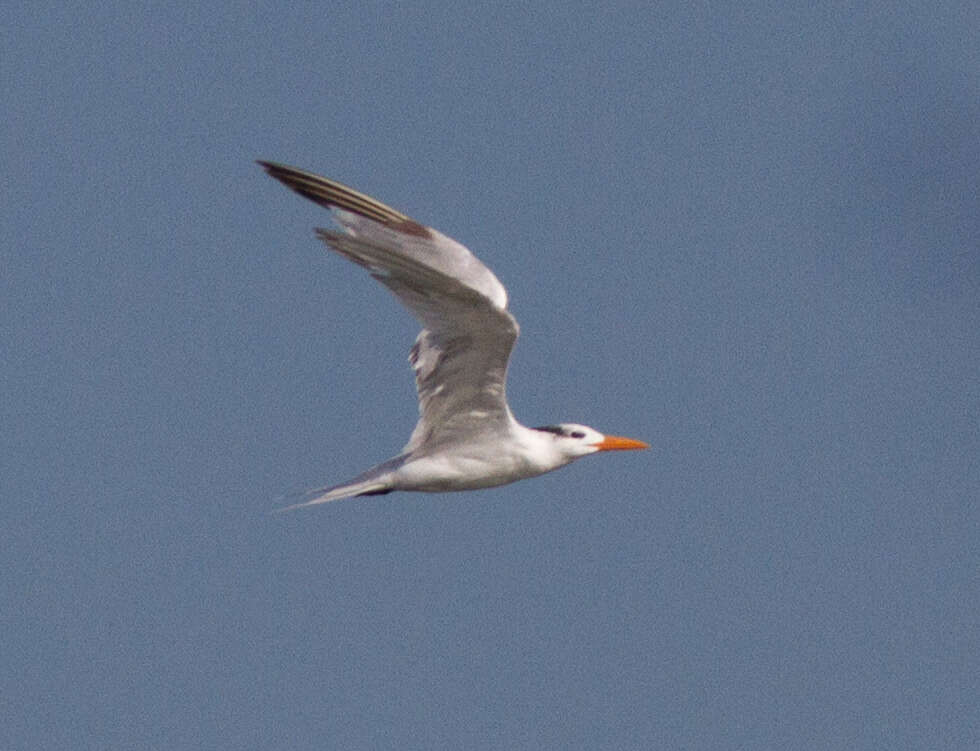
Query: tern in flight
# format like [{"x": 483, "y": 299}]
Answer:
[{"x": 466, "y": 436}]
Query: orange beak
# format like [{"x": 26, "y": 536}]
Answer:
[{"x": 618, "y": 443}]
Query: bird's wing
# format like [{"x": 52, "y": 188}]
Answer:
[{"x": 460, "y": 356}]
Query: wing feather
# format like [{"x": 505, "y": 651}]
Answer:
[{"x": 460, "y": 357}]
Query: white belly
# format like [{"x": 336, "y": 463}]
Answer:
[{"x": 441, "y": 472}]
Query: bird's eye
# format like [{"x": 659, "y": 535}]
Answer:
[{"x": 577, "y": 434}]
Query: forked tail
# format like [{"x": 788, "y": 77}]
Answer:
[{"x": 376, "y": 481}]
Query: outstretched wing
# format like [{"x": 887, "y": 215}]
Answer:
[{"x": 460, "y": 356}]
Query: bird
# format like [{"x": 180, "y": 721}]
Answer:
[{"x": 466, "y": 437}]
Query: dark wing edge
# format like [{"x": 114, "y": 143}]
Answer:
[{"x": 329, "y": 193}]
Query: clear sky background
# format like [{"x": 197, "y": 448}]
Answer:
[{"x": 747, "y": 233}]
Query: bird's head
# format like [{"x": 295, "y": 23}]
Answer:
[{"x": 574, "y": 441}]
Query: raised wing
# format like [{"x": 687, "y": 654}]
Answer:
[{"x": 460, "y": 357}]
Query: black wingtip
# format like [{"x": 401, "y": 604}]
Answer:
[{"x": 274, "y": 168}]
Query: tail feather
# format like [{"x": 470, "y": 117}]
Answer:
[
  {"x": 376, "y": 481},
  {"x": 336, "y": 493}
]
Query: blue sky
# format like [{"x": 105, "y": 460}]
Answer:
[{"x": 747, "y": 235}]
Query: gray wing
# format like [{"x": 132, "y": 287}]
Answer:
[{"x": 460, "y": 356}]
